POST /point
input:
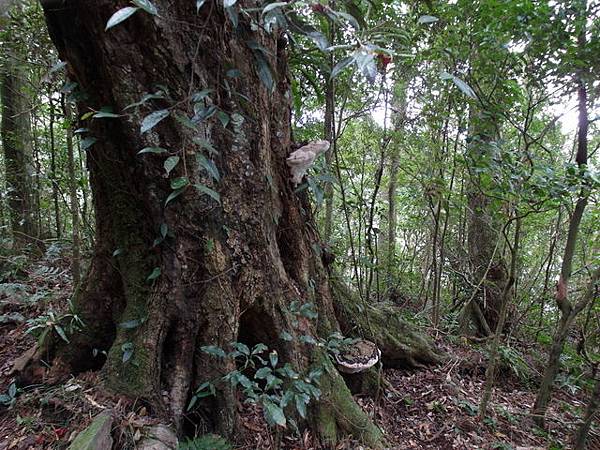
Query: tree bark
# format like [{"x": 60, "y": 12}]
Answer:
[{"x": 221, "y": 270}]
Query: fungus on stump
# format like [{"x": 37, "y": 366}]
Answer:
[{"x": 201, "y": 239}]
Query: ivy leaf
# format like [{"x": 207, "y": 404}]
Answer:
[
  {"x": 208, "y": 191},
  {"x": 427, "y": 19},
  {"x": 173, "y": 195},
  {"x": 152, "y": 119},
  {"x": 120, "y": 16},
  {"x": 147, "y": 6},
  {"x": 301, "y": 405},
  {"x": 179, "y": 183},
  {"x": 274, "y": 414},
  {"x": 170, "y": 163},
  {"x": 205, "y": 144},
  {"x": 214, "y": 351},
  {"x": 155, "y": 150},
  {"x": 209, "y": 166},
  {"x": 223, "y": 118},
  {"x": 154, "y": 275}
]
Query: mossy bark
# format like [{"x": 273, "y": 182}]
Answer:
[
  {"x": 401, "y": 345},
  {"x": 226, "y": 270}
]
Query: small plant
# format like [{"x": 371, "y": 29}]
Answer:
[
  {"x": 63, "y": 325},
  {"x": 8, "y": 399},
  {"x": 272, "y": 386},
  {"x": 206, "y": 442}
]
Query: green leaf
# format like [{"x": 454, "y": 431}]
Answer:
[
  {"x": 152, "y": 119},
  {"x": 117, "y": 252},
  {"x": 427, "y": 19},
  {"x": 341, "y": 66},
  {"x": 264, "y": 71},
  {"x": 272, "y": 6},
  {"x": 301, "y": 402},
  {"x": 105, "y": 114},
  {"x": 229, "y": 3},
  {"x": 214, "y": 351},
  {"x": 208, "y": 191},
  {"x": 464, "y": 87},
  {"x": 88, "y": 142},
  {"x": 223, "y": 118},
  {"x": 127, "y": 349},
  {"x": 208, "y": 165},
  {"x": 120, "y": 16},
  {"x": 199, "y": 4},
  {"x": 205, "y": 144},
  {"x": 131, "y": 324},
  {"x": 198, "y": 96},
  {"x": 262, "y": 373},
  {"x": 12, "y": 389},
  {"x": 179, "y": 183},
  {"x": 286, "y": 336},
  {"x": 274, "y": 414},
  {"x": 155, "y": 150},
  {"x": 147, "y": 6},
  {"x": 242, "y": 348},
  {"x": 170, "y": 163},
  {"x": 173, "y": 195},
  {"x": 61, "y": 333},
  {"x": 273, "y": 358},
  {"x": 319, "y": 39},
  {"x": 154, "y": 275}
]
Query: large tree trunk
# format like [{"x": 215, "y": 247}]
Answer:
[
  {"x": 221, "y": 271},
  {"x": 16, "y": 141}
]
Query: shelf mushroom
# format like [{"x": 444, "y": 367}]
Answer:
[
  {"x": 301, "y": 160},
  {"x": 357, "y": 357}
]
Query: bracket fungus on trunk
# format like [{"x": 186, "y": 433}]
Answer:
[
  {"x": 357, "y": 357},
  {"x": 301, "y": 160}
]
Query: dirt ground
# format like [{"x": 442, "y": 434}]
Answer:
[{"x": 431, "y": 408}]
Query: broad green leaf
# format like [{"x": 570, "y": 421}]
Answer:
[
  {"x": 229, "y": 3},
  {"x": 262, "y": 373},
  {"x": 156, "y": 150},
  {"x": 152, "y": 119},
  {"x": 178, "y": 183},
  {"x": 147, "y": 6},
  {"x": 173, "y": 195},
  {"x": 300, "y": 401},
  {"x": 273, "y": 358},
  {"x": 154, "y": 275},
  {"x": 208, "y": 191},
  {"x": 209, "y": 166},
  {"x": 120, "y": 16},
  {"x": 127, "y": 349},
  {"x": 427, "y": 19},
  {"x": 274, "y": 414},
  {"x": 170, "y": 163}
]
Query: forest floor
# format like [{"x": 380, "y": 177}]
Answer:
[{"x": 430, "y": 408}]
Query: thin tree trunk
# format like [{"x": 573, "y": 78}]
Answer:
[
  {"x": 590, "y": 412},
  {"x": 73, "y": 199},
  {"x": 53, "y": 174}
]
